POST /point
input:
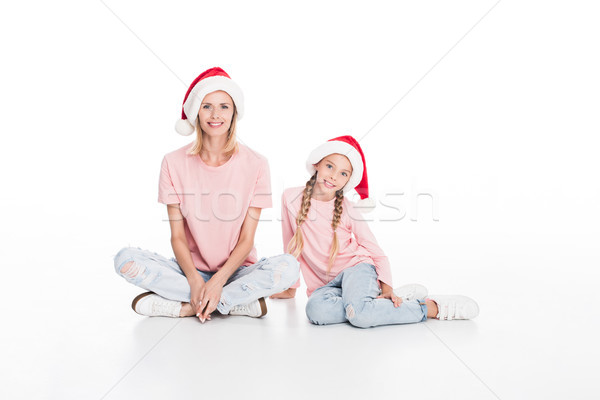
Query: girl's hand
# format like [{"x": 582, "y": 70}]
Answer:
[
  {"x": 286, "y": 294},
  {"x": 211, "y": 295},
  {"x": 387, "y": 292}
]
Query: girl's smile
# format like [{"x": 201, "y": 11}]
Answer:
[
  {"x": 327, "y": 184},
  {"x": 333, "y": 172}
]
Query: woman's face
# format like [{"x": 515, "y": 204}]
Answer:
[
  {"x": 333, "y": 172},
  {"x": 216, "y": 112}
]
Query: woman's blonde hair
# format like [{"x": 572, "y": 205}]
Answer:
[
  {"x": 230, "y": 147},
  {"x": 296, "y": 244}
]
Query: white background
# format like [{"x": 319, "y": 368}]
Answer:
[{"x": 496, "y": 118}]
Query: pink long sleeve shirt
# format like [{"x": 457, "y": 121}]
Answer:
[{"x": 356, "y": 241}]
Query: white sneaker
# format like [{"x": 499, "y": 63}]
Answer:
[
  {"x": 152, "y": 305},
  {"x": 412, "y": 291},
  {"x": 256, "y": 308},
  {"x": 455, "y": 307}
]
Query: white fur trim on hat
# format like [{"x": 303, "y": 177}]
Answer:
[
  {"x": 343, "y": 148},
  {"x": 202, "y": 88},
  {"x": 184, "y": 128}
]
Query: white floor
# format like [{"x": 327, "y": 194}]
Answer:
[
  {"x": 491, "y": 107},
  {"x": 536, "y": 337}
]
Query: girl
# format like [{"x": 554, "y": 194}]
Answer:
[
  {"x": 214, "y": 189},
  {"x": 348, "y": 276}
]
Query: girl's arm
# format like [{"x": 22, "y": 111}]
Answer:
[
  {"x": 387, "y": 292},
  {"x": 366, "y": 239},
  {"x": 183, "y": 255},
  {"x": 211, "y": 293}
]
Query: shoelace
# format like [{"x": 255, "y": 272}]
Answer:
[
  {"x": 163, "y": 308},
  {"x": 239, "y": 308}
]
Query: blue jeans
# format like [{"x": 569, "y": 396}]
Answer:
[
  {"x": 351, "y": 297},
  {"x": 164, "y": 277}
]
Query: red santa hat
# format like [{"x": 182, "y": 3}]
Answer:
[
  {"x": 207, "y": 82},
  {"x": 349, "y": 147}
]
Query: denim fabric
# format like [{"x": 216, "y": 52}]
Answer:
[
  {"x": 351, "y": 297},
  {"x": 164, "y": 277}
]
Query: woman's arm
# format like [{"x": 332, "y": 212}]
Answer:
[
  {"x": 183, "y": 255},
  {"x": 211, "y": 295}
]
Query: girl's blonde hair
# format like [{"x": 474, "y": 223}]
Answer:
[
  {"x": 230, "y": 147},
  {"x": 296, "y": 244}
]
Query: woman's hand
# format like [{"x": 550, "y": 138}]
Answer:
[
  {"x": 387, "y": 292},
  {"x": 210, "y": 297},
  {"x": 196, "y": 289},
  {"x": 286, "y": 294}
]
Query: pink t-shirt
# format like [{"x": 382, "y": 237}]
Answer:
[
  {"x": 356, "y": 241},
  {"x": 214, "y": 200}
]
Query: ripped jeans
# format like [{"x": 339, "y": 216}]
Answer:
[
  {"x": 164, "y": 277},
  {"x": 351, "y": 297}
]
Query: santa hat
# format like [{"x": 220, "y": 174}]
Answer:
[
  {"x": 207, "y": 82},
  {"x": 349, "y": 147}
]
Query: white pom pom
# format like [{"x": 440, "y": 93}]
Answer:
[
  {"x": 183, "y": 127},
  {"x": 365, "y": 205}
]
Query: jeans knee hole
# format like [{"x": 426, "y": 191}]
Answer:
[
  {"x": 350, "y": 311},
  {"x": 276, "y": 277},
  {"x": 131, "y": 270}
]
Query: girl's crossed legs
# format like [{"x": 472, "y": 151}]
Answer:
[{"x": 352, "y": 297}]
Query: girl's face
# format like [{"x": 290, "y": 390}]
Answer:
[
  {"x": 333, "y": 172},
  {"x": 216, "y": 112}
]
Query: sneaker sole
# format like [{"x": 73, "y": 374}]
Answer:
[
  {"x": 263, "y": 307},
  {"x": 138, "y": 298}
]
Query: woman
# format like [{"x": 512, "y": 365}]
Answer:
[{"x": 214, "y": 190}]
